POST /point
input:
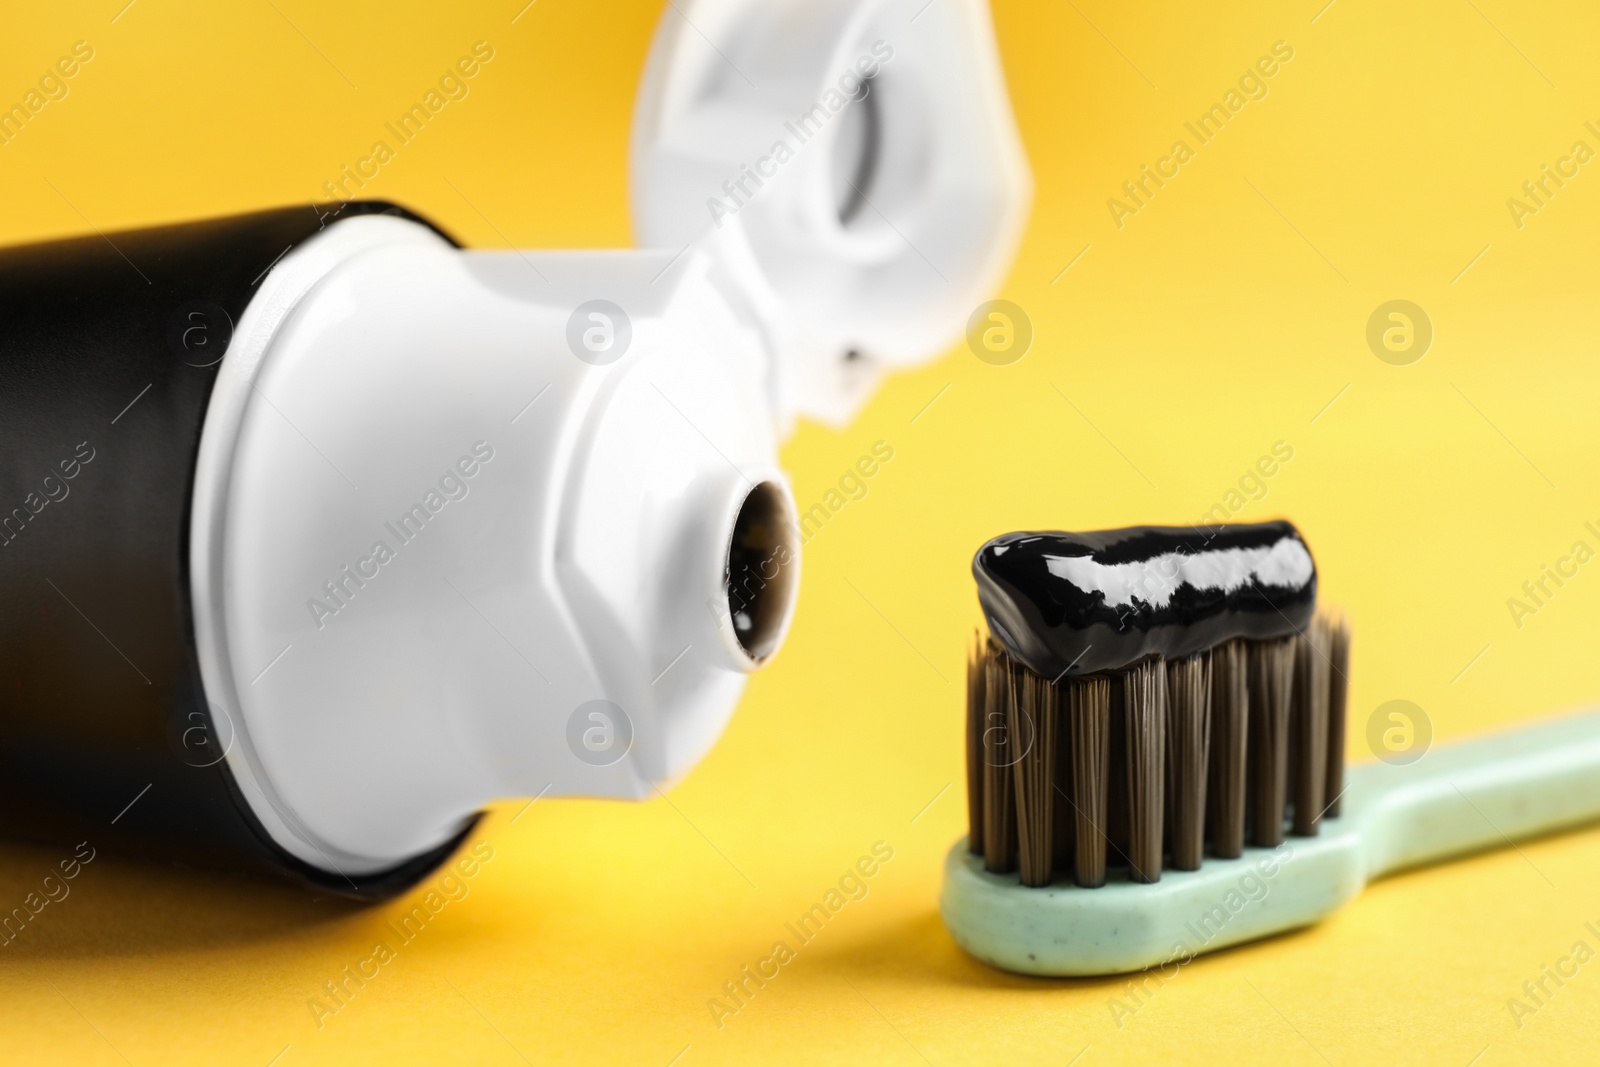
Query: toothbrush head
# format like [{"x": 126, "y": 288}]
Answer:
[
  {"x": 1152, "y": 715},
  {"x": 1400, "y": 811}
]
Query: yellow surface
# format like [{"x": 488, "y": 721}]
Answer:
[{"x": 1220, "y": 319}]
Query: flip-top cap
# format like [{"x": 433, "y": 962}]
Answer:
[{"x": 857, "y": 164}]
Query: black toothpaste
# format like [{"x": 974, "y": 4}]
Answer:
[{"x": 1080, "y": 603}]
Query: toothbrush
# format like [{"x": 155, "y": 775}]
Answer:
[
  {"x": 1484, "y": 793},
  {"x": 1069, "y": 721},
  {"x": 1167, "y": 701}
]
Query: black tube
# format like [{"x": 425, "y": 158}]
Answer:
[{"x": 109, "y": 348}]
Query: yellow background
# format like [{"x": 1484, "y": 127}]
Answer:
[{"x": 1222, "y": 318}]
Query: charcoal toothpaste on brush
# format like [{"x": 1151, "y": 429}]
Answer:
[
  {"x": 1146, "y": 685},
  {"x": 1080, "y": 603}
]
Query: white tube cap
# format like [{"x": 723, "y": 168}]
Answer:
[{"x": 856, "y": 164}]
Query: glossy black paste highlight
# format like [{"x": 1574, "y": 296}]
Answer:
[
  {"x": 108, "y": 355},
  {"x": 1060, "y": 625}
]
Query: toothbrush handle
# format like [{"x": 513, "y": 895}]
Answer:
[{"x": 1483, "y": 793}]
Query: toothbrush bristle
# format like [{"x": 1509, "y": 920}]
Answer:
[
  {"x": 1145, "y": 718},
  {"x": 976, "y": 666},
  {"x": 999, "y": 799},
  {"x": 1188, "y": 745},
  {"x": 1230, "y": 739},
  {"x": 1032, "y": 720},
  {"x": 1271, "y": 673},
  {"x": 1338, "y": 695},
  {"x": 1308, "y": 729},
  {"x": 1088, "y": 736},
  {"x": 1161, "y": 763}
]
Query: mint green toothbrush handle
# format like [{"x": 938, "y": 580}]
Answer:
[{"x": 1484, "y": 793}]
